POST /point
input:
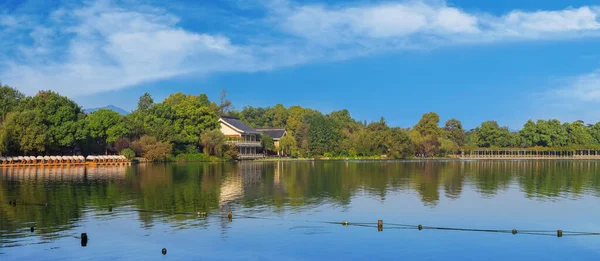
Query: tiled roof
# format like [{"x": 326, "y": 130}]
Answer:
[
  {"x": 238, "y": 124},
  {"x": 276, "y": 134}
]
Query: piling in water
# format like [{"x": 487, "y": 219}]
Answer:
[
  {"x": 229, "y": 215},
  {"x": 109, "y": 208},
  {"x": 84, "y": 239},
  {"x": 380, "y": 225},
  {"x": 514, "y": 231},
  {"x": 559, "y": 233},
  {"x": 420, "y": 227}
]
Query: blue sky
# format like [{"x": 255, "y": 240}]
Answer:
[{"x": 508, "y": 61}]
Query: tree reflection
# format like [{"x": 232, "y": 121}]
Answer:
[{"x": 167, "y": 191}]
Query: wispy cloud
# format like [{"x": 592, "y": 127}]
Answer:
[{"x": 106, "y": 46}]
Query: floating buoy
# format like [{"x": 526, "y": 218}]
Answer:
[
  {"x": 345, "y": 223},
  {"x": 380, "y": 225},
  {"x": 109, "y": 208},
  {"x": 559, "y": 233},
  {"x": 514, "y": 231},
  {"x": 420, "y": 227},
  {"x": 32, "y": 229},
  {"x": 84, "y": 239},
  {"x": 164, "y": 251}
]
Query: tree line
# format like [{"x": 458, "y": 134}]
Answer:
[{"x": 187, "y": 126}]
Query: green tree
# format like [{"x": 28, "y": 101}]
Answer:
[
  {"x": 428, "y": 125},
  {"x": 400, "y": 145},
  {"x": 128, "y": 153},
  {"x": 267, "y": 142},
  {"x": 145, "y": 102},
  {"x": 287, "y": 144},
  {"x": 491, "y": 134},
  {"x": 151, "y": 148},
  {"x": 455, "y": 132},
  {"x": 62, "y": 117},
  {"x": 426, "y": 134},
  {"x": 322, "y": 135},
  {"x": 213, "y": 142},
  {"x": 578, "y": 134},
  {"x": 106, "y": 127},
  {"x": 9, "y": 100}
]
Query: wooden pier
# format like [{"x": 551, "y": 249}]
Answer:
[
  {"x": 530, "y": 154},
  {"x": 63, "y": 161}
]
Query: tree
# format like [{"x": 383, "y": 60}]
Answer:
[
  {"x": 128, "y": 153},
  {"x": 400, "y": 146},
  {"x": 213, "y": 142},
  {"x": 9, "y": 100},
  {"x": 428, "y": 125},
  {"x": 267, "y": 143},
  {"x": 152, "y": 149},
  {"x": 578, "y": 134},
  {"x": 287, "y": 144},
  {"x": 23, "y": 132},
  {"x": 322, "y": 136},
  {"x": 106, "y": 127},
  {"x": 490, "y": 134},
  {"x": 426, "y": 134},
  {"x": 62, "y": 117},
  {"x": 595, "y": 132},
  {"x": 454, "y": 132},
  {"x": 145, "y": 102},
  {"x": 225, "y": 106}
]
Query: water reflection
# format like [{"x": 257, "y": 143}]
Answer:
[{"x": 166, "y": 191}]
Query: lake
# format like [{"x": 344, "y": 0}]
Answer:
[{"x": 294, "y": 210}]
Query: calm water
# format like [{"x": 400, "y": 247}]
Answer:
[{"x": 155, "y": 206}]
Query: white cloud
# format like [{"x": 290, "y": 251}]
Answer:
[
  {"x": 103, "y": 47},
  {"x": 584, "y": 88},
  {"x": 418, "y": 21}
]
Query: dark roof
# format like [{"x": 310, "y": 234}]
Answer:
[
  {"x": 238, "y": 124},
  {"x": 274, "y": 133}
]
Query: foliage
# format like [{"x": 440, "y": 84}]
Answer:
[
  {"x": 106, "y": 126},
  {"x": 151, "y": 148},
  {"x": 213, "y": 142},
  {"x": 426, "y": 134},
  {"x": 491, "y": 134},
  {"x": 191, "y": 157},
  {"x": 49, "y": 123},
  {"x": 287, "y": 144},
  {"x": 128, "y": 153},
  {"x": 10, "y": 99},
  {"x": 267, "y": 142}
]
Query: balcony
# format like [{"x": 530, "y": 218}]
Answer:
[{"x": 243, "y": 143}]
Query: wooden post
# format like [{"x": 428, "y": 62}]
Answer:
[{"x": 380, "y": 225}]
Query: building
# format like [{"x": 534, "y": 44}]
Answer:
[
  {"x": 242, "y": 136},
  {"x": 276, "y": 134}
]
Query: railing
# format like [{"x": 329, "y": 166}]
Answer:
[
  {"x": 243, "y": 143},
  {"x": 251, "y": 156}
]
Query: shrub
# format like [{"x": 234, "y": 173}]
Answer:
[{"x": 128, "y": 153}]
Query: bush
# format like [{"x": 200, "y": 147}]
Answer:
[
  {"x": 230, "y": 154},
  {"x": 190, "y": 157},
  {"x": 128, "y": 153},
  {"x": 152, "y": 149}
]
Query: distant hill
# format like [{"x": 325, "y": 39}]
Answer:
[{"x": 110, "y": 107}]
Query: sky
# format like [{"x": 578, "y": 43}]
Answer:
[{"x": 508, "y": 61}]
